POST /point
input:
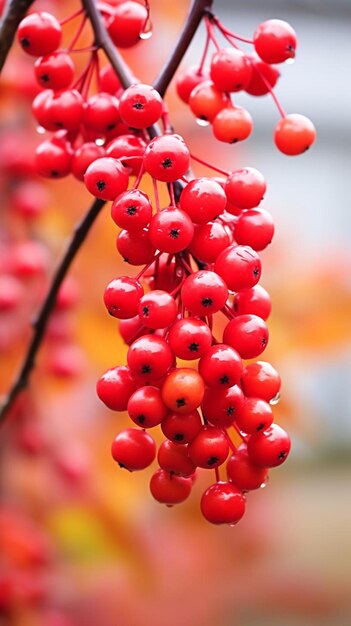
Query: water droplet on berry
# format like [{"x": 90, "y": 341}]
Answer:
[
  {"x": 275, "y": 400},
  {"x": 100, "y": 141},
  {"x": 201, "y": 122},
  {"x": 147, "y": 32},
  {"x": 40, "y": 130},
  {"x": 263, "y": 485},
  {"x": 290, "y": 61}
]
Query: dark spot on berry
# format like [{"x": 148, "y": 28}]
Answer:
[
  {"x": 212, "y": 460},
  {"x": 25, "y": 43},
  {"x": 54, "y": 173},
  {"x": 141, "y": 419},
  {"x": 282, "y": 455},
  {"x": 166, "y": 163},
  {"x": 256, "y": 271},
  {"x": 146, "y": 369},
  {"x": 125, "y": 259},
  {"x": 307, "y": 148},
  {"x": 138, "y": 105},
  {"x": 206, "y": 302},
  {"x": 178, "y": 437},
  {"x": 193, "y": 347},
  {"x": 180, "y": 402},
  {"x": 101, "y": 185},
  {"x": 238, "y": 86},
  {"x": 132, "y": 209},
  {"x": 146, "y": 311},
  {"x": 263, "y": 342},
  {"x": 45, "y": 78},
  {"x": 235, "y": 306},
  {"x": 174, "y": 233},
  {"x": 260, "y": 427},
  {"x": 110, "y": 126},
  {"x": 204, "y": 118},
  {"x": 224, "y": 380},
  {"x": 230, "y": 411},
  {"x": 59, "y": 124}
]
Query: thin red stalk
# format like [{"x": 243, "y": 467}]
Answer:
[
  {"x": 71, "y": 17},
  {"x": 212, "y": 167},
  {"x": 226, "y": 31},
  {"x": 140, "y": 175},
  {"x": 212, "y": 35},
  {"x": 78, "y": 33},
  {"x": 271, "y": 91},
  {"x": 146, "y": 267},
  {"x": 217, "y": 474},
  {"x": 171, "y": 194},
  {"x": 157, "y": 199},
  {"x": 204, "y": 54}
]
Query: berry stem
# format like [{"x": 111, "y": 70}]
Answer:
[
  {"x": 71, "y": 17},
  {"x": 14, "y": 12},
  {"x": 212, "y": 167},
  {"x": 146, "y": 267},
  {"x": 204, "y": 54},
  {"x": 40, "y": 324},
  {"x": 271, "y": 90},
  {"x": 226, "y": 31},
  {"x": 216, "y": 470},
  {"x": 157, "y": 199},
  {"x": 77, "y": 33}
]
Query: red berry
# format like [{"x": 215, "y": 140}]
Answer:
[
  {"x": 126, "y": 147},
  {"x": 135, "y": 248},
  {"x": 146, "y": 408},
  {"x": 255, "y": 415},
  {"x": 11, "y": 293},
  {"x": 29, "y": 199},
  {"x": 223, "y": 503},
  {"x": 248, "y": 334},
  {"x": 149, "y": 358},
  {"x": 230, "y": 70},
  {"x": 109, "y": 81},
  {"x": 210, "y": 448},
  {"x": 262, "y": 73},
  {"x": 157, "y": 309},
  {"x": 86, "y": 154},
  {"x": 294, "y": 134},
  {"x": 232, "y": 124},
  {"x": 53, "y": 158},
  {"x": 254, "y": 228},
  {"x": 54, "y": 71},
  {"x": 182, "y": 428},
  {"x": 115, "y": 387},
  {"x": 275, "y": 41},
  {"x": 140, "y": 106},
  {"x": 190, "y": 338},
  {"x": 269, "y": 448},
  {"x": 133, "y": 449},
  {"x": 183, "y": 390},
  {"x": 204, "y": 293},
  {"x": 205, "y": 101},
  {"x": 132, "y": 210},
  {"x": 131, "y": 329},
  {"x": 174, "y": 458},
  {"x": 245, "y": 188},
  {"x": 167, "y": 158},
  {"x": 101, "y": 113},
  {"x": 39, "y": 34},
  {"x": 106, "y": 178},
  {"x": 239, "y": 267},
  {"x": 222, "y": 406},
  {"x": 221, "y": 366},
  {"x": 168, "y": 488},
  {"x": 208, "y": 241},
  {"x": 171, "y": 230},
  {"x": 203, "y": 199},
  {"x": 255, "y": 300},
  {"x": 260, "y": 380},
  {"x": 28, "y": 258},
  {"x": 127, "y": 23},
  {"x": 243, "y": 472},
  {"x": 188, "y": 79},
  {"x": 58, "y": 110},
  {"x": 122, "y": 296}
]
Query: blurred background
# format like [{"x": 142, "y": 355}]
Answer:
[{"x": 81, "y": 541}]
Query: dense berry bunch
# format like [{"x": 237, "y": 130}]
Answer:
[{"x": 194, "y": 313}]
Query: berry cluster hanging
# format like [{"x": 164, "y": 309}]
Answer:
[{"x": 199, "y": 254}]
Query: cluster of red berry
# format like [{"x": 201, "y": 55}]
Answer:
[{"x": 199, "y": 256}]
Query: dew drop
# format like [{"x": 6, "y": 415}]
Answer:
[
  {"x": 263, "y": 486},
  {"x": 275, "y": 400},
  {"x": 40, "y": 130},
  {"x": 100, "y": 141},
  {"x": 147, "y": 32},
  {"x": 201, "y": 122},
  {"x": 290, "y": 61}
]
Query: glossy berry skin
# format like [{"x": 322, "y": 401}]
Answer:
[
  {"x": 223, "y": 503},
  {"x": 115, "y": 387},
  {"x": 205, "y": 101},
  {"x": 54, "y": 71},
  {"x": 168, "y": 488},
  {"x": 190, "y": 338},
  {"x": 131, "y": 329},
  {"x": 157, "y": 309},
  {"x": 257, "y": 86},
  {"x": 132, "y": 210},
  {"x": 221, "y": 366},
  {"x": 127, "y": 23},
  {"x": 58, "y": 110},
  {"x": 174, "y": 458},
  {"x": 149, "y": 358},
  {"x": 269, "y": 448},
  {"x": 256, "y": 414},
  {"x": 83, "y": 156},
  {"x": 126, "y": 147},
  {"x": 203, "y": 199},
  {"x": 109, "y": 81},
  {"x": 167, "y": 158},
  {"x": 135, "y": 247},
  {"x": 145, "y": 407},
  {"x": 239, "y": 267},
  {"x": 188, "y": 79},
  {"x": 248, "y": 334},
  {"x": 181, "y": 428},
  {"x": 140, "y": 106},
  {"x": 230, "y": 70},
  {"x": 210, "y": 448},
  {"x": 106, "y": 178},
  {"x": 243, "y": 473},
  {"x": 232, "y": 124},
  {"x": 171, "y": 230},
  {"x": 255, "y": 300},
  {"x": 133, "y": 449},
  {"x": 183, "y": 390},
  {"x": 245, "y": 188},
  {"x": 204, "y": 293},
  {"x": 122, "y": 296},
  {"x": 254, "y": 228},
  {"x": 208, "y": 241},
  {"x": 222, "y": 406},
  {"x": 260, "y": 380},
  {"x": 101, "y": 113},
  {"x": 53, "y": 158},
  {"x": 294, "y": 134},
  {"x": 39, "y": 34},
  {"x": 275, "y": 41}
]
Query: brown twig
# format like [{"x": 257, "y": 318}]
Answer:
[{"x": 14, "y": 12}]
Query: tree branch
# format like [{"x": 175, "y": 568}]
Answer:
[
  {"x": 196, "y": 13},
  {"x": 14, "y": 12},
  {"x": 41, "y": 322}
]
